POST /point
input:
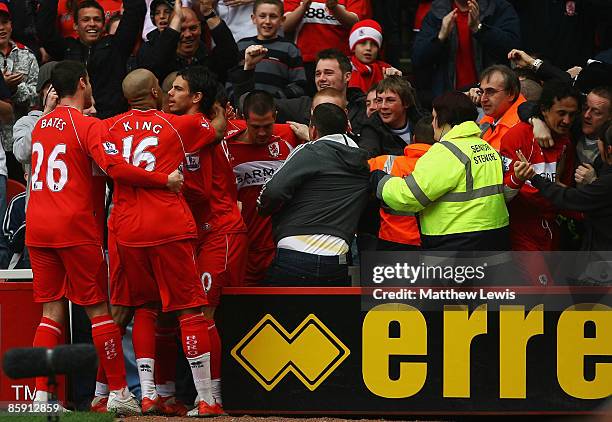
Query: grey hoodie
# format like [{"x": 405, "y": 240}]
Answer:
[
  {"x": 322, "y": 188},
  {"x": 22, "y": 141}
]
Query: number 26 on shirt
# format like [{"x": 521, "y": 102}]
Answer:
[{"x": 53, "y": 163}]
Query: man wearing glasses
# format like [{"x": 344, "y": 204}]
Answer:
[{"x": 499, "y": 96}]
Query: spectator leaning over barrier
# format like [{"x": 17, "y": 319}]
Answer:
[
  {"x": 20, "y": 70},
  {"x": 105, "y": 56},
  {"x": 22, "y": 130},
  {"x": 333, "y": 71},
  {"x": 390, "y": 129},
  {"x": 180, "y": 45},
  {"x": 456, "y": 186},
  {"x": 315, "y": 200},
  {"x": 459, "y": 38},
  {"x": 499, "y": 94}
]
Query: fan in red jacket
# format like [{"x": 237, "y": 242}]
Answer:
[
  {"x": 365, "y": 42},
  {"x": 532, "y": 225}
]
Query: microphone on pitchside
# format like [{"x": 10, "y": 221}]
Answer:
[{"x": 31, "y": 362}]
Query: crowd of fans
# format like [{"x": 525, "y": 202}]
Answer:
[{"x": 526, "y": 84}]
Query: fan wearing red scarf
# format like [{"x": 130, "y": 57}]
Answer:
[{"x": 365, "y": 41}]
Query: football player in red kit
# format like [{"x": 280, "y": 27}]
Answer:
[
  {"x": 154, "y": 232},
  {"x": 257, "y": 148},
  {"x": 67, "y": 257},
  {"x": 532, "y": 225},
  {"x": 210, "y": 188}
]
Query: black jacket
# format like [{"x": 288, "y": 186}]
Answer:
[
  {"x": 377, "y": 138},
  {"x": 158, "y": 54},
  {"x": 321, "y": 189},
  {"x": 499, "y": 34},
  {"x": 594, "y": 199},
  {"x": 298, "y": 109},
  {"x": 566, "y": 39},
  {"x": 106, "y": 60}
]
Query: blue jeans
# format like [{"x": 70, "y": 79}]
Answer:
[{"x": 293, "y": 268}]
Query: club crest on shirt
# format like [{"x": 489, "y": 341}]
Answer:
[
  {"x": 193, "y": 162},
  {"x": 205, "y": 124},
  {"x": 274, "y": 149},
  {"x": 110, "y": 148}
]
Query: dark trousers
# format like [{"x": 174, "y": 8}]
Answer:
[{"x": 293, "y": 268}]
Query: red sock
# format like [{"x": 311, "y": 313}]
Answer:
[
  {"x": 107, "y": 339},
  {"x": 48, "y": 334},
  {"x": 166, "y": 351},
  {"x": 194, "y": 335},
  {"x": 215, "y": 350},
  {"x": 143, "y": 333}
]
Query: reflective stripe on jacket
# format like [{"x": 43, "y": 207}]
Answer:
[
  {"x": 457, "y": 186},
  {"x": 399, "y": 226}
]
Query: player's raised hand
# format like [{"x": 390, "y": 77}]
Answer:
[
  {"x": 523, "y": 170},
  {"x": 253, "y": 55},
  {"x": 175, "y": 181}
]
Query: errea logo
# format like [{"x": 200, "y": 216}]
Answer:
[{"x": 269, "y": 352}]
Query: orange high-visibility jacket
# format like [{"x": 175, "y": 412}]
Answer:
[
  {"x": 494, "y": 134},
  {"x": 397, "y": 226}
]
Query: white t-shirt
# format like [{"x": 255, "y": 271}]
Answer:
[{"x": 238, "y": 19}]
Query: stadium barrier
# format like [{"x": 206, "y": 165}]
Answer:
[
  {"x": 465, "y": 341},
  {"x": 19, "y": 317}
]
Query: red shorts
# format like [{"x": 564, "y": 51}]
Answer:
[
  {"x": 119, "y": 287},
  {"x": 78, "y": 273},
  {"x": 222, "y": 262},
  {"x": 258, "y": 262},
  {"x": 162, "y": 273}
]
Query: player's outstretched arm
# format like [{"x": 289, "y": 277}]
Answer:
[{"x": 135, "y": 176}]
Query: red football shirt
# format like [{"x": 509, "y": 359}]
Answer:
[
  {"x": 155, "y": 141},
  {"x": 253, "y": 166},
  {"x": 319, "y": 29},
  {"x": 220, "y": 214},
  {"x": 465, "y": 67},
  {"x": 66, "y": 206}
]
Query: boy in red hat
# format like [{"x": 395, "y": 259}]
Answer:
[{"x": 365, "y": 41}]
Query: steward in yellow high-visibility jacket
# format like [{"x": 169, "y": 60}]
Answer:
[{"x": 457, "y": 186}]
